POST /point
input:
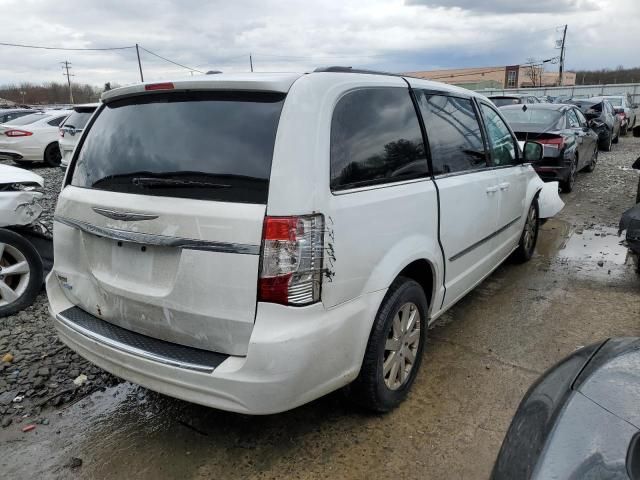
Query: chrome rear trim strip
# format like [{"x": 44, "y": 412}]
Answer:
[{"x": 159, "y": 240}]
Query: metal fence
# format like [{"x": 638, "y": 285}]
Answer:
[{"x": 581, "y": 91}]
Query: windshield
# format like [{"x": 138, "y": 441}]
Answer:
[
  {"x": 534, "y": 116},
  {"x": 78, "y": 120},
  {"x": 502, "y": 101},
  {"x": 27, "y": 119},
  {"x": 204, "y": 145}
]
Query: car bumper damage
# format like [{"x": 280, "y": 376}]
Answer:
[
  {"x": 295, "y": 355},
  {"x": 549, "y": 202},
  {"x": 19, "y": 208}
]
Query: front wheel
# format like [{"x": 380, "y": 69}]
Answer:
[
  {"x": 529, "y": 237},
  {"x": 394, "y": 350},
  {"x": 594, "y": 159},
  {"x": 20, "y": 273}
]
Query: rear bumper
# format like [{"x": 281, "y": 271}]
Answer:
[
  {"x": 549, "y": 173},
  {"x": 295, "y": 355}
]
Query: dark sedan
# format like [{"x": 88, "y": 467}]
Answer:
[
  {"x": 569, "y": 144},
  {"x": 602, "y": 118},
  {"x": 580, "y": 420}
]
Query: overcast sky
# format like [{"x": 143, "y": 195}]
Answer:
[{"x": 286, "y": 35}]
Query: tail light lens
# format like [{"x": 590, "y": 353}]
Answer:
[
  {"x": 18, "y": 133},
  {"x": 61, "y": 133},
  {"x": 159, "y": 86},
  {"x": 292, "y": 260},
  {"x": 557, "y": 142}
]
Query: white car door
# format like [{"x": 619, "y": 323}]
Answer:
[
  {"x": 512, "y": 177},
  {"x": 468, "y": 190}
]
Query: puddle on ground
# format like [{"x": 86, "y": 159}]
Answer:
[{"x": 593, "y": 253}]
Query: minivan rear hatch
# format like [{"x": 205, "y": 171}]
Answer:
[{"x": 158, "y": 229}]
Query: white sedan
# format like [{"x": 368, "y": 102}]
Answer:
[{"x": 32, "y": 138}]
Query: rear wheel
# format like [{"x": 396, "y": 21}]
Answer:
[
  {"x": 594, "y": 159},
  {"x": 394, "y": 350},
  {"x": 623, "y": 131},
  {"x": 606, "y": 145},
  {"x": 52, "y": 155},
  {"x": 20, "y": 273},
  {"x": 529, "y": 237},
  {"x": 567, "y": 184},
  {"x": 616, "y": 137}
]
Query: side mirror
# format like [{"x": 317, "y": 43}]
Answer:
[
  {"x": 533, "y": 152},
  {"x": 636, "y": 164}
]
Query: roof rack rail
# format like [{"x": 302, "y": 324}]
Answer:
[{"x": 342, "y": 69}]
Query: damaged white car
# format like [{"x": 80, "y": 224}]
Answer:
[{"x": 23, "y": 243}]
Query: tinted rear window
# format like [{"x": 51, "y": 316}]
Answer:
[
  {"x": 502, "y": 101},
  {"x": 205, "y": 145},
  {"x": 542, "y": 116},
  {"x": 28, "y": 119},
  {"x": 78, "y": 120}
]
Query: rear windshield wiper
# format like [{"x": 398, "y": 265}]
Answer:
[{"x": 151, "y": 182}]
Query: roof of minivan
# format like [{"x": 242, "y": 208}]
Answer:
[{"x": 268, "y": 82}]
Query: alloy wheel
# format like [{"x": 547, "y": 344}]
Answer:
[
  {"x": 401, "y": 347},
  {"x": 530, "y": 229},
  {"x": 14, "y": 274}
]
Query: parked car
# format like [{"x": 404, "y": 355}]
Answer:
[
  {"x": 579, "y": 420},
  {"x": 625, "y": 110},
  {"x": 513, "y": 99},
  {"x": 570, "y": 145},
  {"x": 32, "y": 138},
  {"x": 9, "y": 114},
  {"x": 25, "y": 249},
  {"x": 252, "y": 242},
  {"x": 602, "y": 119},
  {"x": 71, "y": 129}
]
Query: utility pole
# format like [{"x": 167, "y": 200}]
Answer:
[
  {"x": 139, "y": 63},
  {"x": 251, "y": 62},
  {"x": 561, "y": 69},
  {"x": 68, "y": 75}
]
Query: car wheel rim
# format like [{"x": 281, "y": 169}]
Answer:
[
  {"x": 14, "y": 274},
  {"x": 530, "y": 229},
  {"x": 401, "y": 347}
]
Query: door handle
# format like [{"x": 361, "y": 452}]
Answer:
[
  {"x": 492, "y": 190},
  {"x": 504, "y": 186}
]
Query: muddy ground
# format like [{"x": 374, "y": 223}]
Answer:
[{"x": 482, "y": 356}]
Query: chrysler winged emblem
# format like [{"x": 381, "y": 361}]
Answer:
[{"x": 124, "y": 216}]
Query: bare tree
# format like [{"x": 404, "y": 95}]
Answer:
[{"x": 534, "y": 71}]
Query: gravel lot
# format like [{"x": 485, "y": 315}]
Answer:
[{"x": 481, "y": 358}]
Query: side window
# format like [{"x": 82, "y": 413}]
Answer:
[
  {"x": 56, "y": 121},
  {"x": 376, "y": 138},
  {"x": 454, "y": 133},
  {"x": 501, "y": 143},
  {"x": 581, "y": 118},
  {"x": 573, "y": 118}
]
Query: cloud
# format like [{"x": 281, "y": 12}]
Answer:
[
  {"x": 288, "y": 35},
  {"x": 511, "y": 6}
]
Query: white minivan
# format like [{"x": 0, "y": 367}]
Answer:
[{"x": 252, "y": 242}]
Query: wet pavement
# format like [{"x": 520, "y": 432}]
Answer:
[{"x": 483, "y": 354}]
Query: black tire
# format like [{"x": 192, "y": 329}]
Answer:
[
  {"x": 616, "y": 139},
  {"x": 623, "y": 131},
  {"x": 594, "y": 160},
  {"x": 370, "y": 389},
  {"x": 34, "y": 284},
  {"x": 52, "y": 155},
  {"x": 567, "y": 185},
  {"x": 606, "y": 145},
  {"x": 529, "y": 238}
]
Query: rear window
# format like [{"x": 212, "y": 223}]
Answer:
[
  {"x": 533, "y": 116},
  {"x": 28, "y": 119},
  {"x": 615, "y": 101},
  {"x": 502, "y": 101},
  {"x": 203, "y": 145},
  {"x": 78, "y": 120}
]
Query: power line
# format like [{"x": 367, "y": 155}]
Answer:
[
  {"x": 170, "y": 61},
  {"x": 41, "y": 47}
]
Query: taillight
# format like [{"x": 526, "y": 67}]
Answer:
[
  {"x": 557, "y": 142},
  {"x": 17, "y": 133},
  {"x": 292, "y": 259},
  {"x": 61, "y": 133},
  {"x": 159, "y": 86}
]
